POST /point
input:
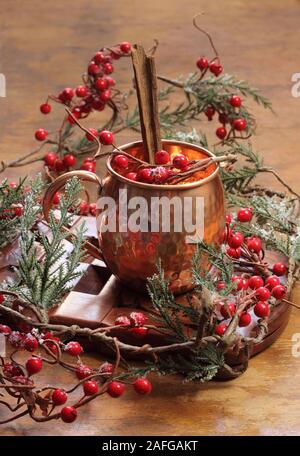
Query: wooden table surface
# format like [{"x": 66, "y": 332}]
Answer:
[{"x": 44, "y": 47}]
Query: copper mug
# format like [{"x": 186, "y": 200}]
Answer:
[{"x": 133, "y": 256}]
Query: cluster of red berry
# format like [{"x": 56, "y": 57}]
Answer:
[
  {"x": 261, "y": 289},
  {"x": 236, "y": 122},
  {"x": 135, "y": 324},
  {"x": 31, "y": 341}
]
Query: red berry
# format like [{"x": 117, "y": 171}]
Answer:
[
  {"x": 202, "y": 63},
  {"x": 81, "y": 91},
  {"x": 105, "y": 96},
  {"x": 245, "y": 319},
  {"x": 235, "y": 101},
  {"x": 88, "y": 166},
  {"x": 59, "y": 165},
  {"x": 18, "y": 211},
  {"x": 262, "y": 293},
  {"x": 93, "y": 209},
  {"x": 244, "y": 215},
  {"x": 131, "y": 176},
  {"x": 121, "y": 161},
  {"x": 139, "y": 332},
  {"x": 162, "y": 157},
  {"x": 93, "y": 132},
  {"x": 84, "y": 208},
  {"x": 215, "y": 68},
  {"x": 228, "y": 219},
  {"x": 221, "y": 329},
  {"x": 4, "y": 329},
  {"x": 180, "y": 161},
  {"x": 125, "y": 47},
  {"x": 50, "y": 159},
  {"x": 239, "y": 124},
  {"x": 261, "y": 309},
  {"x": 30, "y": 343},
  {"x": 227, "y": 310},
  {"x": 34, "y": 365},
  {"x": 242, "y": 283},
  {"x": 254, "y": 244},
  {"x": 45, "y": 108},
  {"x": 83, "y": 371},
  {"x": 2, "y": 298},
  {"x": 69, "y": 160},
  {"x": 142, "y": 386},
  {"x": 279, "y": 269},
  {"x": 233, "y": 253},
  {"x": 99, "y": 57},
  {"x": 106, "y": 138},
  {"x": 160, "y": 174},
  {"x": 90, "y": 387},
  {"x": 235, "y": 240},
  {"x": 138, "y": 318},
  {"x": 115, "y": 389},
  {"x": 220, "y": 286},
  {"x": 59, "y": 397},
  {"x": 41, "y": 134},
  {"x": 98, "y": 104},
  {"x": 101, "y": 84},
  {"x": 56, "y": 198},
  {"x": 145, "y": 175},
  {"x": 66, "y": 95},
  {"x": 209, "y": 112},
  {"x": 122, "y": 320},
  {"x": 76, "y": 112},
  {"x": 279, "y": 292},
  {"x": 255, "y": 282},
  {"x": 110, "y": 81},
  {"x": 68, "y": 414},
  {"x": 16, "y": 339},
  {"x": 221, "y": 132},
  {"x": 11, "y": 370},
  {"x": 74, "y": 349},
  {"x": 108, "y": 68},
  {"x": 93, "y": 68},
  {"x": 223, "y": 119},
  {"x": 272, "y": 281},
  {"x": 106, "y": 368},
  {"x": 12, "y": 184}
]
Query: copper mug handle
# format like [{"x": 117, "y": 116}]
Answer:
[{"x": 57, "y": 184}]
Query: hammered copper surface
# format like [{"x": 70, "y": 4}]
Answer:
[{"x": 133, "y": 256}]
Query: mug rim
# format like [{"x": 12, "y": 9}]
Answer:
[{"x": 167, "y": 186}]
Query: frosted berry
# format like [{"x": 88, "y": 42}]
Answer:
[
  {"x": 261, "y": 309},
  {"x": 41, "y": 134},
  {"x": 244, "y": 215},
  {"x": 262, "y": 293},
  {"x": 34, "y": 365},
  {"x": 202, "y": 63},
  {"x": 121, "y": 161},
  {"x": 162, "y": 157},
  {"x": 11, "y": 370},
  {"x": 180, "y": 161},
  {"x": 279, "y": 292},
  {"x": 74, "y": 349},
  {"x": 30, "y": 343},
  {"x": 69, "y": 160},
  {"x": 16, "y": 339},
  {"x": 145, "y": 175},
  {"x": 84, "y": 208},
  {"x": 68, "y": 414},
  {"x": 90, "y": 387},
  {"x": 115, "y": 389},
  {"x": 221, "y": 329},
  {"x": 106, "y": 137},
  {"x": 45, "y": 108},
  {"x": 245, "y": 319},
  {"x": 59, "y": 397},
  {"x": 81, "y": 91},
  {"x": 106, "y": 368},
  {"x": 125, "y": 47},
  {"x": 221, "y": 132},
  {"x": 239, "y": 124},
  {"x": 279, "y": 269},
  {"x": 227, "y": 310},
  {"x": 4, "y": 329},
  {"x": 83, "y": 371},
  {"x": 272, "y": 281},
  {"x": 256, "y": 282},
  {"x": 139, "y": 332},
  {"x": 138, "y": 318},
  {"x": 122, "y": 320},
  {"x": 50, "y": 159},
  {"x": 235, "y": 240},
  {"x": 142, "y": 386},
  {"x": 235, "y": 101}
]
